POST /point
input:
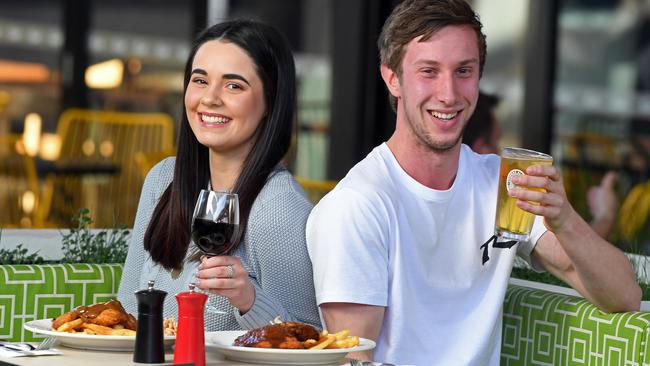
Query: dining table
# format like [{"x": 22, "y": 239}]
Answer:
[
  {"x": 80, "y": 357},
  {"x": 77, "y": 167}
]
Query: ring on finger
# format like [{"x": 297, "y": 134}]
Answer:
[{"x": 231, "y": 271}]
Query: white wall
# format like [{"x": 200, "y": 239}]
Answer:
[{"x": 46, "y": 241}]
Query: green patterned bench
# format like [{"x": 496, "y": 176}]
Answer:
[
  {"x": 29, "y": 292},
  {"x": 547, "y": 328}
]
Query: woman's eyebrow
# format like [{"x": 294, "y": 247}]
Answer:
[
  {"x": 236, "y": 77},
  {"x": 199, "y": 71}
]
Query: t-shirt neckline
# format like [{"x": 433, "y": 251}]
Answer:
[{"x": 416, "y": 187}]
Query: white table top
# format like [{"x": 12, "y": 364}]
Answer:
[{"x": 77, "y": 357}]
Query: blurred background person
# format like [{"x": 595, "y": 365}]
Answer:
[
  {"x": 483, "y": 129},
  {"x": 603, "y": 203}
]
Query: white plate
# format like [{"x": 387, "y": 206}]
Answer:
[
  {"x": 222, "y": 342},
  {"x": 88, "y": 341}
]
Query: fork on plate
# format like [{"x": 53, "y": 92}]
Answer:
[{"x": 47, "y": 343}]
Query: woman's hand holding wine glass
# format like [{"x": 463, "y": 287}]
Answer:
[
  {"x": 238, "y": 288},
  {"x": 215, "y": 231}
]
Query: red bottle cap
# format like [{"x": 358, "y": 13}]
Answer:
[
  {"x": 191, "y": 304},
  {"x": 190, "y": 337}
]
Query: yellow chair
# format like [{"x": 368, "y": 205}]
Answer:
[
  {"x": 634, "y": 212},
  {"x": 146, "y": 161},
  {"x": 92, "y": 139},
  {"x": 20, "y": 189},
  {"x": 316, "y": 189}
]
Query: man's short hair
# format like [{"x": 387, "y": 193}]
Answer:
[
  {"x": 481, "y": 123},
  {"x": 415, "y": 18}
]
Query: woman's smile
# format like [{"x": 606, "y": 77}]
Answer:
[{"x": 212, "y": 120}]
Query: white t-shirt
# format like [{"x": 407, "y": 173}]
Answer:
[{"x": 381, "y": 238}]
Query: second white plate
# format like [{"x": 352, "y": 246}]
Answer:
[{"x": 222, "y": 342}]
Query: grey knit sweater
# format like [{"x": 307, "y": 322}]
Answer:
[{"x": 273, "y": 251}]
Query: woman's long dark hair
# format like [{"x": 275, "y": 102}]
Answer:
[{"x": 168, "y": 235}]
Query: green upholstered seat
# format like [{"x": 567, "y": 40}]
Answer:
[
  {"x": 29, "y": 292},
  {"x": 546, "y": 328}
]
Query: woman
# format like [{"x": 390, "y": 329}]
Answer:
[{"x": 240, "y": 100}]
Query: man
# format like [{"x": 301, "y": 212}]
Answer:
[{"x": 396, "y": 246}]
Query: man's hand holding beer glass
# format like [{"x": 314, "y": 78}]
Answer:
[
  {"x": 548, "y": 200},
  {"x": 511, "y": 221},
  {"x": 570, "y": 249}
]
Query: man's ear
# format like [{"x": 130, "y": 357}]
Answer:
[{"x": 391, "y": 79}]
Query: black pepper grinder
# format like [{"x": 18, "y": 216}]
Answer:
[{"x": 149, "y": 347}]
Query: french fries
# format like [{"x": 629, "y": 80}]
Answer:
[
  {"x": 338, "y": 340},
  {"x": 170, "y": 327},
  {"x": 324, "y": 342},
  {"x": 115, "y": 330},
  {"x": 78, "y": 326},
  {"x": 70, "y": 326},
  {"x": 348, "y": 342}
]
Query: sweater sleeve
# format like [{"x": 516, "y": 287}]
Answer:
[
  {"x": 136, "y": 256},
  {"x": 282, "y": 272}
]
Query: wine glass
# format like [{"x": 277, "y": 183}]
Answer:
[{"x": 215, "y": 225}]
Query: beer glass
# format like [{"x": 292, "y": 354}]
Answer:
[{"x": 512, "y": 222}]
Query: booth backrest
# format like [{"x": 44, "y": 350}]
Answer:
[
  {"x": 39, "y": 291},
  {"x": 546, "y": 328}
]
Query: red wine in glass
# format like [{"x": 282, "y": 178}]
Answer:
[
  {"x": 215, "y": 226},
  {"x": 214, "y": 238}
]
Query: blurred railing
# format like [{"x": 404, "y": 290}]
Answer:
[{"x": 19, "y": 188}]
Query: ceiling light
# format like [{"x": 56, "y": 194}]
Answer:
[
  {"x": 105, "y": 75},
  {"x": 32, "y": 133}
]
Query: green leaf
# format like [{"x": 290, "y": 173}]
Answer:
[
  {"x": 19, "y": 255},
  {"x": 106, "y": 246}
]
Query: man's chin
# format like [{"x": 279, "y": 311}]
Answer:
[
  {"x": 431, "y": 140},
  {"x": 441, "y": 146}
]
